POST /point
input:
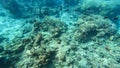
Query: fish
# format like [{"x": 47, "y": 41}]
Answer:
[{"x": 113, "y": 18}]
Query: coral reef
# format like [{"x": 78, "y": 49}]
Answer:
[
  {"x": 56, "y": 26},
  {"x": 93, "y": 26},
  {"x": 60, "y": 34}
]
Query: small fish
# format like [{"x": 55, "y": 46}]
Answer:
[
  {"x": 116, "y": 18},
  {"x": 67, "y": 10},
  {"x": 105, "y": 17}
]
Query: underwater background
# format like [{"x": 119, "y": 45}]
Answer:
[{"x": 59, "y": 33}]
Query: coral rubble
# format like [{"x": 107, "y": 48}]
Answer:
[{"x": 60, "y": 34}]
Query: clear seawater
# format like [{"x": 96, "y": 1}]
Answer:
[{"x": 59, "y": 33}]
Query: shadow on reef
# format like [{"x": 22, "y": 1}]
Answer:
[
  {"x": 4, "y": 63},
  {"x": 8, "y": 57},
  {"x": 3, "y": 60},
  {"x": 12, "y": 6}
]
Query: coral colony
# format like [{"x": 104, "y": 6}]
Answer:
[{"x": 60, "y": 34}]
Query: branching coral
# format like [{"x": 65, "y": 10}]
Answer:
[
  {"x": 56, "y": 26},
  {"x": 94, "y": 26}
]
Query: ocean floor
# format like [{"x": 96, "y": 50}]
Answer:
[{"x": 60, "y": 34}]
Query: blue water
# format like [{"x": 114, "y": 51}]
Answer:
[{"x": 59, "y": 34}]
